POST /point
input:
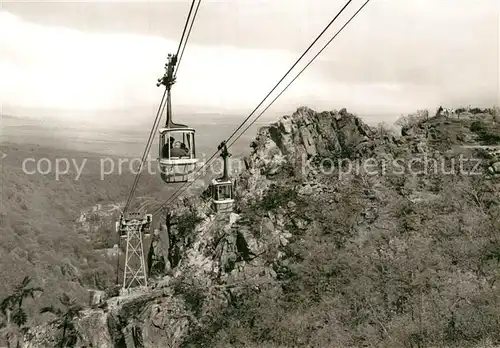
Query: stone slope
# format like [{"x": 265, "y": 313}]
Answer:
[{"x": 220, "y": 257}]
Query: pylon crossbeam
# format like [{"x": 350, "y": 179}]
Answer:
[{"x": 135, "y": 266}]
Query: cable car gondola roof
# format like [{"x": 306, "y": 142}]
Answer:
[
  {"x": 220, "y": 181},
  {"x": 177, "y": 129}
]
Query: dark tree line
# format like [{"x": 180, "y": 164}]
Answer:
[{"x": 15, "y": 323}]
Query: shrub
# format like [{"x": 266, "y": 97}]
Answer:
[
  {"x": 413, "y": 119},
  {"x": 277, "y": 196},
  {"x": 496, "y": 114},
  {"x": 487, "y": 134},
  {"x": 193, "y": 295},
  {"x": 186, "y": 224}
]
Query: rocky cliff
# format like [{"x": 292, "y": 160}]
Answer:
[{"x": 297, "y": 167}]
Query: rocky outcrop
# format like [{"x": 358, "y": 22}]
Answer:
[
  {"x": 96, "y": 224},
  {"x": 96, "y": 213},
  {"x": 218, "y": 259},
  {"x": 96, "y": 297},
  {"x": 495, "y": 168},
  {"x": 308, "y": 133},
  {"x": 222, "y": 256},
  {"x": 209, "y": 260},
  {"x": 291, "y": 146}
]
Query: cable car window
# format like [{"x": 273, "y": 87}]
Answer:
[
  {"x": 165, "y": 150},
  {"x": 176, "y": 146},
  {"x": 187, "y": 144},
  {"x": 223, "y": 192},
  {"x": 193, "y": 150}
]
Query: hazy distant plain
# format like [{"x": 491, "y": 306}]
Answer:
[{"x": 116, "y": 141}]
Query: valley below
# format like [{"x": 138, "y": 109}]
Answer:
[{"x": 310, "y": 256}]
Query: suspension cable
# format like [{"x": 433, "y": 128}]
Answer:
[
  {"x": 248, "y": 117},
  {"x": 146, "y": 151},
  {"x": 187, "y": 38},
  {"x": 185, "y": 27},
  {"x": 296, "y": 76},
  {"x": 160, "y": 110},
  {"x": 177, "y": 193},
  {"x": 293, "y": 66}
]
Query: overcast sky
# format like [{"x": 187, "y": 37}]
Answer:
[{"x": 395, "y": 56}]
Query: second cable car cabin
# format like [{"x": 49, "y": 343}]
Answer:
[
  {"x": 177, "y": 154},
  {"x": 222, "y": 188}
]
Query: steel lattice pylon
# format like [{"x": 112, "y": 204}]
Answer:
[{"x": 135, "y": 266}]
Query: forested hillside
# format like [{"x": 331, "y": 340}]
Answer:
[
  {"x": 38, "y": 235},
  {"x": 342, "y": 235},
  {"x": 377, "y": 257}
]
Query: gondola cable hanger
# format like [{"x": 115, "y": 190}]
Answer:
[
  {"x": 162, "y": 105},
  {"x": 179, "y": 192}
]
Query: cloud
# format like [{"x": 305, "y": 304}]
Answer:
[
  {"x": 63, "y": 68},
  {"x": 436, "y": 52},
  {"x": 396, "y": 56}
]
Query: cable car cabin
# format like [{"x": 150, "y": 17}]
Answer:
[
  {"x": 177, "y": 158},
  {"x": 134, "y": 219},
  {"x": 222, "y": 195}
]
